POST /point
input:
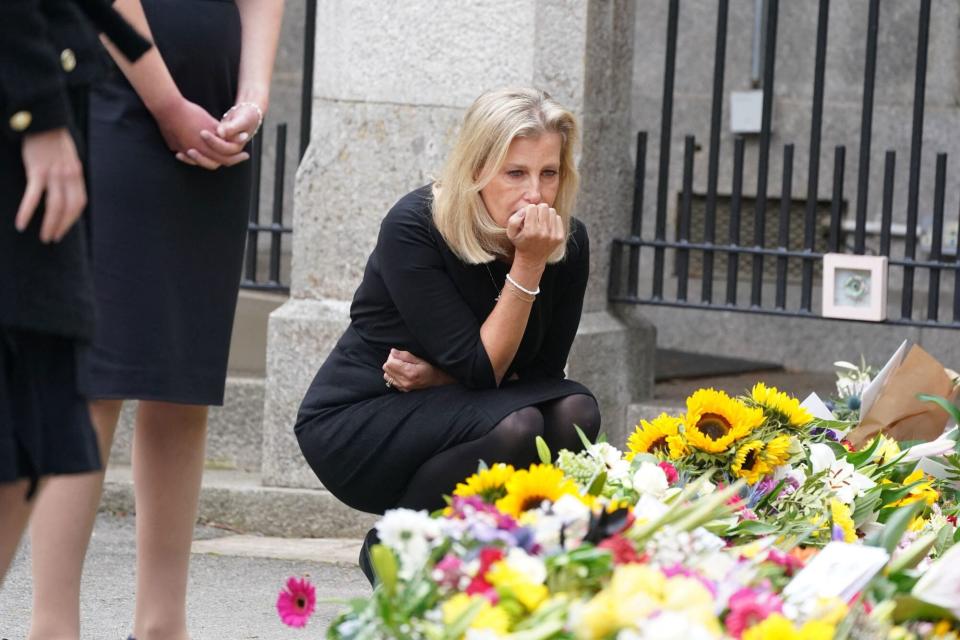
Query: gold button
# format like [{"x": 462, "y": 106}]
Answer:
[
  {"x": 68, "y": 60},
  {"x": 21, "y": 120}
]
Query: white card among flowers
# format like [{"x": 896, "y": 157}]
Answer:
[{"x": 840, "y": 570}]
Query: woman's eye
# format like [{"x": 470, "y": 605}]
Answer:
[
  {"x": 515, "y": 173},
  {"x": 551, "y": 173}
]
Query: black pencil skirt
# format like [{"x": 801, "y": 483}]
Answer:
[{"x": 167, "y": 238}]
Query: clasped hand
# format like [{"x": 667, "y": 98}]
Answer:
[
  {"x": 199, "y": 139},
  {"x": 536, "y": 231},
  {"x": 404, "y": 371}
]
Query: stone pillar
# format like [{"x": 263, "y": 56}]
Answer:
[
  {"x": 392, "y": 83},
  {"x": 614, "y": 350}
]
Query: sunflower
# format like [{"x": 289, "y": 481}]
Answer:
[
  {"x": 715, "y": 420},
  {"x": 777, "y": 451},
  {"x": 488, "y": 484},
  {"x": 748, "y": 463},
  {"x": 529, "y": 488},
  {"x": 660, "y": 437},
  {"x": 780, "y": 405}
]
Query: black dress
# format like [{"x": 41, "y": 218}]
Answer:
[
  {"x": 364, "y": 440},
  {"x": 167, "y": 237}
]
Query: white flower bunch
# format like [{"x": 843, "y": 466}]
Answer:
[{"x": 412, "y": 535}]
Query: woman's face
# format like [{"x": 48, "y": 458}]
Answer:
[{"x": 530, "y": 174}]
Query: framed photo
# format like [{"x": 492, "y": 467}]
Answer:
[{"x": 854, "y": 287}]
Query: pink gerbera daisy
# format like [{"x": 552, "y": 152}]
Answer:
[
  {"x": 749, "y": 607},
  {"x": 296, "y": 602}
]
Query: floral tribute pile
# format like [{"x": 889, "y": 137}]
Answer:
[{"x": 743, "y": 517}]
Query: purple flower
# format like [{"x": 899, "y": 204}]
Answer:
[{"x": 829, "y": 433}]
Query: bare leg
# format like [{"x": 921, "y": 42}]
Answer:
[
  {"x": 168, "y": 455},
  {"x": 59, "y": 534},
  {"x": 15, "y": 510}
]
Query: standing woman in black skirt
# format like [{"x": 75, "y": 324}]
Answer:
[{"x": 172, "y": 189}]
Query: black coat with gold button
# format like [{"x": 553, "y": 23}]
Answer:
[{"x": 49, "y": 54}]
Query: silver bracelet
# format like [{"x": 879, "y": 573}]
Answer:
[
  {"x": 519, "y": 286},
  {"x": 248, "y": 104}
]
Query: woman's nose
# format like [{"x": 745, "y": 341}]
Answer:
[{"x": 533, "y": 194}]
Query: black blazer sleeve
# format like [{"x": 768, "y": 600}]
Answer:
[
  {"x": 415, "y": 276},
  {"x": 31, "y": 78}
]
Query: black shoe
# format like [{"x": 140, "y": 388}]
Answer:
[{"x": 366, "y": 561}]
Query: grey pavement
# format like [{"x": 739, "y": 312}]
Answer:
[{"x": 234, "y": 582}]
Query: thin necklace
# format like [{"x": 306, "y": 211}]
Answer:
[{"x": 493, "y": 282}]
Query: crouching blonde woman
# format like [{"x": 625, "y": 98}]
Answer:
[{"x": 461, "y": 326}]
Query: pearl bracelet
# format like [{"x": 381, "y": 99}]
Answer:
[
  {"x": 529, "y": 292},
  {"x": 519, "y": 294},
  {"x": 248, "y": 104}
]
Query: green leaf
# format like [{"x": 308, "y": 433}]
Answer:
[
  {"x": 839, "y": 451},
  {"x": 543, "y": 450},
  {"x": 754, "y": 528},
  {"x": 857, "y": 458},
  {"x": 598, "y": 483},
  {"x": 583, "y": 437},
  {"x": 912, "y": 555},
  {"x": 910, "y": 608},
  {"x": 896, "y": 524},
  {"x": 945, "y": 404},
  {"x": 385, "y": 566},
  {"x": 943, "y": 540},
  {"x": 769, "y": 496},
  {"x": 865, "y": 507}
]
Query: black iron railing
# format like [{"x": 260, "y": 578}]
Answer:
[
  {"x": 275, "y": 229},
  {"x": 818, "y": 237}
]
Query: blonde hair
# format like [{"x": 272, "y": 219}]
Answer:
[{"x": 489, "y": 126}]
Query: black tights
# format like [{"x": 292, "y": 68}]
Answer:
[{"x": 512, "y": 440}]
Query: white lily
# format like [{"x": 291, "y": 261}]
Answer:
[{"x": 842, "y": 478}]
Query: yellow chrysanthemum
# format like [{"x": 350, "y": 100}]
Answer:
[
  {"x": 490, "y": 484},
  {"x": 508, "y": 581},
  {"x": 923, "y": 491},
  {"x": 660, "y": 437},
  {"x": 917, "y": 524},
  {"x": 637, "y": 591},
  {"x": 831, "y": 610},
  {"x": 842, "y": 517},
  {"x": 489, "y": 617},
  {"x": 783, "y": 406},
  {"x": 748, "y": 463},
  {"x": 714, "y": 420},
  {"x": 942, "y": 628},
  {"x": 777, "y": 451},
  {"x": 777, "y": 627},
  {"x": 817, "y": 630},
  {"x": 529, "y": 488},
  {"x": 887, "y": 450}
]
